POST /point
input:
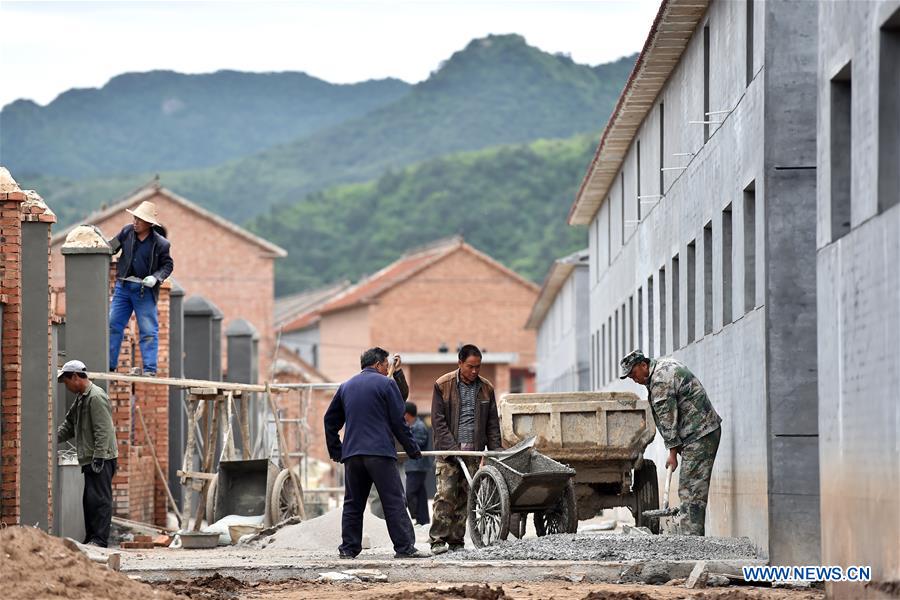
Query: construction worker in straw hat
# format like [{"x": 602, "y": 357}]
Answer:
[{"x": 145, "y": 263}]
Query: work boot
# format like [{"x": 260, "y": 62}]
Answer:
[
  {"x": 439, "y": 548},
  {"x": 413, "y": 554},
  {"x": 457, "y": 547},
  {"x": 346, "y": 556}
]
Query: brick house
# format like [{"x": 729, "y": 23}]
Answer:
[
  {"x": 423, "y": 306},
  {"x": 213, "y": 257}
]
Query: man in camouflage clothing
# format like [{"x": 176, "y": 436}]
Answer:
[{"x": 688, "y": 424}]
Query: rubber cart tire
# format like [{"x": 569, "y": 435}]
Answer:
[
  {"x": 488, "y": 507},
  {"x": 646, "y": 496},
  {"x": 562, "y": 517}
]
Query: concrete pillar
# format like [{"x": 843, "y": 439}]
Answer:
[
  {"x": 243, "y": 366},
  {"x": 87, "y": 257},
  {"x": 177, "y": 416},
  {"x": 217, "y": 344},
  {"x": 34, "y": 468},
  {"x": 198, "y": 338}
]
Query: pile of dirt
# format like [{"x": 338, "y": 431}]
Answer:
[
  {"x": 476, "y": 592},
  {"x": 36, "y": 565},
  {"x": 213, "y": 587}
]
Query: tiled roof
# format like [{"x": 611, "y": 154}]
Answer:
[
  {"x": 669, "y": 35},
  {"x": 290, "y": 310},
  {"x": 405, "y": 267},
  {"x": 153, "y": 188}
]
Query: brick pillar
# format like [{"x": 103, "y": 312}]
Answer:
[
  {"x": 37, "y": 447},
  {"x": 243, "y": 367},
  {"x": 11, "y": 198}
]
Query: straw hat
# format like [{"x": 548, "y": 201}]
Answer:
[{"x": 146, "y": 211}]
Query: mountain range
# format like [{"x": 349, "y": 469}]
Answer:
[{"x": 270, "y": 149}]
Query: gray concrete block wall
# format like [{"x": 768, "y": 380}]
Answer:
[
  {"x": 762, "y": 485},
  {"x": 858, "y": 279}
]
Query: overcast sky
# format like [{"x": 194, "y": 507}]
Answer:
[{"x": 49, "y": 47}]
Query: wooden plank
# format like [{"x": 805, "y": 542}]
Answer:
[
  {"x": 211, "y": 435},
  {"x": 195, "y": 474},
  {"x": 282, "y": 448}
]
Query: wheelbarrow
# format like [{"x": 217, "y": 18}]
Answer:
[
  {"x": 249, "y": 488},
  {"x": 512, "y": 483}
]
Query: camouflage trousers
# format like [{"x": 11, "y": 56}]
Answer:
[
  {"x": 448, "y": 521},
  {"x": 697, "y": 460}
]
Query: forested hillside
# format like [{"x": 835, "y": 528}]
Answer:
[
  {"x": 497, "y": 90},
  {"x": 510, "y": 202}
]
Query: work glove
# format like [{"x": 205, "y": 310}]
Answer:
[
  {"x": 149, "y": 281},
  {"x": 97, "y": 465}
]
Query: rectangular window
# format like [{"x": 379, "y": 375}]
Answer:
[
  {"x": 749, "y": 38},
  {"x": 676, "y": 304},
  {"x": 609, "y": 232},
  {"x": 662, "y": 146},
  {"x": 706, "y": 83},
  {"x": 707, "y": 279},
  {"x": 618, "y": 353},
  {"x": 691, "y": 291},
  {"x": 640, "y": 319},
  {"x": 593, "y": 361},
  {"x": 625, "y": 348},
  {"x": 637, "y": 181},
  {"x": 622, "y": 204},
  {"x": 889, "y": 115},
  {"x": 650, "y": 332},
  {"x": 662, "y": 311},
  {"x": 750, "y": 247},
  {"x": 726, "y": 266},
  {"x": 601, "y": 353},
  {"x": 840, "y": 153},
  {"x": 633, "y": 344},
  {"x": 610, "y": 358}
]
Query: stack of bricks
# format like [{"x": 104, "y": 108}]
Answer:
[
  {"x": 16, "y": 207},
  {"x": 138, "y": 493}
]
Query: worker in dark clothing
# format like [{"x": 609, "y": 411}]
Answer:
[
  {"x": 417, "y": 469},
  {"x": 369, "y": 408},
  {"x": 144, "y": 265},
  {"x": 374, "y": 501},
  {"x": 89, "y": 421}
]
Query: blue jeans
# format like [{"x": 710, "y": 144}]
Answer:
[{"x": 130, "y": 297}]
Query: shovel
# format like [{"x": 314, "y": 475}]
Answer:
[{"x": 665, "y": 511}]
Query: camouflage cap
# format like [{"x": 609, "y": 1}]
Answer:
[{"x": 628, "y": 362}]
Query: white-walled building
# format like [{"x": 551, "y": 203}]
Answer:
[
  {"x": 701, "y": 207},
  {"x": 562, "y": 320}
]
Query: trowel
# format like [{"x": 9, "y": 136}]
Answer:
[{"x": 665, "y": 511}]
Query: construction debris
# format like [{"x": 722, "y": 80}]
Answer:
[{"x": 612, "y": 547}]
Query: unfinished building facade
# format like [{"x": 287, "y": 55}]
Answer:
[
  {"x": 858, "y": 270},
  {"x": 701, "y": 206}
]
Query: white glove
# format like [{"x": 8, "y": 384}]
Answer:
[{"x": 149, "y": 281}]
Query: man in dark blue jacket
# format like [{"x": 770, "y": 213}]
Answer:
[
  {"x": 145, "y": 263},
  {"x": 369, "y": 407}
]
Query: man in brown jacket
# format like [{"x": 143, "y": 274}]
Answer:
[{"x": 463, "y": 417}]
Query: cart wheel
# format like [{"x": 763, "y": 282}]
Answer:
[
  {"x": 562, "y": 517},
  {"x": 282, "y": 501},
  {"x": 646, "y": 496},
  {"x": 488, "y": 507},
  {"x": 211, "y": 499}
]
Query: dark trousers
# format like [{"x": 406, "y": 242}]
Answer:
[
  {"x": 417, "y": 496},
  {"x": 97, "y": 502},
  {"x": 360, "y": 472}
]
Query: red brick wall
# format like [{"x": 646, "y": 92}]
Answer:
[
  {"x": 11, "y": 410},
  {"x": 230, "y": 271},
  {"x": 138, "y": 493},
  {"x": 17, "y": 207},
  {"x": 460, "y": 298}
]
